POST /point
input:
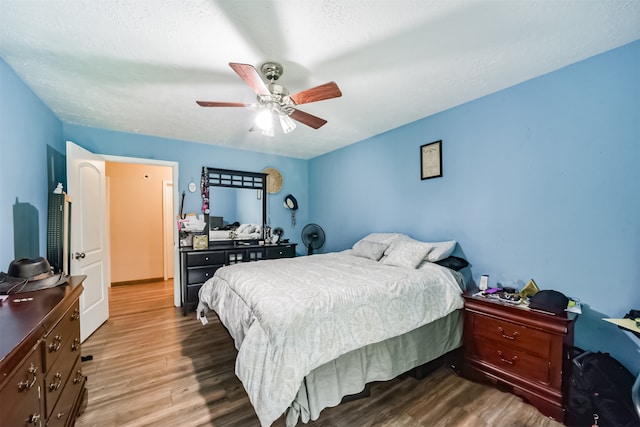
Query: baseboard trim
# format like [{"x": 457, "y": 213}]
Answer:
[{"x": 137, "y": 282}]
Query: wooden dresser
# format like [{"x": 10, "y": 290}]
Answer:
[
  {"x": 519, "y": 350},
  {"x": 199, "y": 265},
  {"x": 41, "y": 380}
]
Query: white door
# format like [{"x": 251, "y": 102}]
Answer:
[{"x": 87, "y": 188}]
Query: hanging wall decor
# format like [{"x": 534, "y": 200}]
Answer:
[
  {"x": 431, "y": 160},
  {"x": 291, "y": 203},
  {"x": 274, "y": 180}
]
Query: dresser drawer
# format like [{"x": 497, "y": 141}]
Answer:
[
  {"x": 200, "y": 274},
  {"x": 512, "y": 334},
  {"x": 512, "y": 360},
  {"x": 19, "y": 396},
  {"x": 192, "y": 293},
  {"x": 64, "y": 407},
  {"x": 64, "y": 337},
  {"x": 288, "y": 251},
  {"x": 196, "y": 259},
  {"x": 56, "y": 378}
]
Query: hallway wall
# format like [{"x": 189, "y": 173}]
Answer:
[{"x": 136, "y": 220}]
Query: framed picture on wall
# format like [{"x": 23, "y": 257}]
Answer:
[{"x": 431, "y": 160}]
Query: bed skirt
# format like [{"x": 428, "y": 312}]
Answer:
[{"x": 326, "y": 385}]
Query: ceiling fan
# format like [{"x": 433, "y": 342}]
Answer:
[{"x": 274, "y": 100}]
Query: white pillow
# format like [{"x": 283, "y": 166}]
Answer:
[
  {"x": 368, "y": 249},
  {"x": 401, "y": 238},
  {"x": 440, "y": 250},
  {"x": 384, "y": 238},
  {"x": 407, "y": 253}
]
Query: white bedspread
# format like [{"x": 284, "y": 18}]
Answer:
[{"x": 289, "y": 316}]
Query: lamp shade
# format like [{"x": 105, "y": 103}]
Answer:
[
  {"x": 287, "y": 124},
  {"x": 264, "y": 120}
]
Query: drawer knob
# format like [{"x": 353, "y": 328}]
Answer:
[
  {"x": 79, "y": 377},
  {"x": 76, "y": 344},
  {"x": 55, "y": 345},
  {"x": 75, "y": 315},
  {"x": 34, "y": 419},
  {"x": 29, "y": 382},
  {"x": 508, "y": 337},
  {"x": 511, "y": 361},
  {"x": 56, "y": 385}
]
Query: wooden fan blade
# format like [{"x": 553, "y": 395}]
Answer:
[
  {"x": 318, "y": 93},
  {"x": 307, "y": 119},
  {"x": 251, "y": 77},
  {"x": 221, "y": 104}
]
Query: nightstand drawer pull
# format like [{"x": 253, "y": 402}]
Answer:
[
  {"x": 511, "y": 361},
  {"x": 509, "y": 337}
]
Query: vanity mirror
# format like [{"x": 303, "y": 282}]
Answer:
[{"x": 237, "y": 205}]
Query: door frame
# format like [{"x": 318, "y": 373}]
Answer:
[
  {"x": 167, "y": 220},
  {"x": 177, "y": 300}
]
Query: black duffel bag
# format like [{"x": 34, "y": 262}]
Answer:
[{"x": 599, "y": 388}]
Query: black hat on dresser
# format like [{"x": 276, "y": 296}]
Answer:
[
  {"x": 26, "y": 275},
  {"x": 550, "y": 301}
]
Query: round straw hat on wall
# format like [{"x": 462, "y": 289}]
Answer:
[{"x": 274, "y": 180}]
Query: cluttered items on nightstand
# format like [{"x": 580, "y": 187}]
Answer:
[{"x": 531, "y": 296}]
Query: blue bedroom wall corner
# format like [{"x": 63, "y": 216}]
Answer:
[{"x": 31, "y": 149}]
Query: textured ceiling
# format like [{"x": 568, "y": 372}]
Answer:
[{"x": 139, "y": 66}]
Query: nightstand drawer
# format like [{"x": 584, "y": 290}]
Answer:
[
  {"x": 513, "y": 335},
  {"x": 512, "y": 360},
  {"x": 192, "y": 292},
  {"x": 200, "y": 274},
  {"x": 204, "y": 258},
  {"x": 288, "y": 251}
]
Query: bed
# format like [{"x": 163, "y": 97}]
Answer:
[
  {"x": 310, "y": 330},
  {"x": 241, "y": 232}
]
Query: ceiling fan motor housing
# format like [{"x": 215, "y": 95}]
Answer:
[{"x": 272, "y": 71}]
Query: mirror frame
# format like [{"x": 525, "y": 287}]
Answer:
[{"x": 216, "y": 177}]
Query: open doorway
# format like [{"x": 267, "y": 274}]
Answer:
[{"x": 142, "y": 203}]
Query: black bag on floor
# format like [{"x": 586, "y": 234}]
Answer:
[{"x": 599, "y": 384}]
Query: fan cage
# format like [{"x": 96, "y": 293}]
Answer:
[{"x": 309, "y": 241}]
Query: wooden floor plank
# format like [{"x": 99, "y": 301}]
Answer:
[{"x": 152, "y": 366}]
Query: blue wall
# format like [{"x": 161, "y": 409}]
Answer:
[
  {"x": 30, "y": 148},
  {"x": 541, "y": 181},
  {"x": 191, "y": 157}
]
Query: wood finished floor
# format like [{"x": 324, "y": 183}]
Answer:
[{"x": 154, "y": 367}]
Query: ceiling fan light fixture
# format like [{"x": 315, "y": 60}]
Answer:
[
  {"x": 287, "y": 123},
  {"x": 264, "y": 120}
]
